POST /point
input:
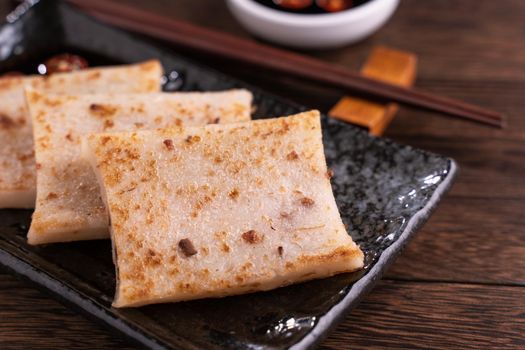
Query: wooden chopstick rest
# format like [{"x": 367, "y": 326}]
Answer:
[{"x": 385, "y": 64}]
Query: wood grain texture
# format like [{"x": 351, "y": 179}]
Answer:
[
  {"x": 414, "y": 315},
  {"x": 460, "y": 282},
  {"x": 31, "y": 319},
  {"x": 477, "y": 240}
]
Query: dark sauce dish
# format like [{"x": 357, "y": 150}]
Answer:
[
  {"x": 311, "y": 7},
  {"x": 308, "y": 29},
  {"x": 385, "y": 192}
]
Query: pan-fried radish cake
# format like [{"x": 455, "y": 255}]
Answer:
[
  {"x": 17, "y": 162},
  {"x": 220, "y": 210},
  {"x": 68, "y": 205}
]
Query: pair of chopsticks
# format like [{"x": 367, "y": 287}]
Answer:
[{"x": 265, "y": 56}]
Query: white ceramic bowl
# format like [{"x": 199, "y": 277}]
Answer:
[{"x": 312, "y": 31}]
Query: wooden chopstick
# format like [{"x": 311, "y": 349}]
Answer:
[{"x": 227, "y": 46}]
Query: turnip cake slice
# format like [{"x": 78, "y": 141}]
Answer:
[
  {"x": 68, "y": 206},
  {"x": 219, "y": 210},
  {"x": 17, "y": 162}
]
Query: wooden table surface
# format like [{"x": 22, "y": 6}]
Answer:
[{"x": 461, "y": 282}]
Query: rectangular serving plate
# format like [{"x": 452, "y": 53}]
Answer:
[{"x": 385, "y": 192}]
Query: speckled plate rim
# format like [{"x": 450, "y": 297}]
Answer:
[{"x": 368, "y": 281}]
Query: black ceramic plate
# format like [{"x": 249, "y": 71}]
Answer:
[{"x": 385, "y": 192}]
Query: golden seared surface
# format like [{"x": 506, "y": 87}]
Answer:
[
  {"x": 220, "y": 209},
  {"x": 17, "y": 162},
  {"x": 68, "y": 205}
]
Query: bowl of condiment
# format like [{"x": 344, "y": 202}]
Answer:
[{"x": 312, "y": 24}]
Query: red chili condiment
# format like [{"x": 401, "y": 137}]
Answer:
[
  {"x": 293, "y": 4},
  {"x": 311, "y": 7},
  {"x": 334, "y": 5},
  {"x": 64, "y": 63}
]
